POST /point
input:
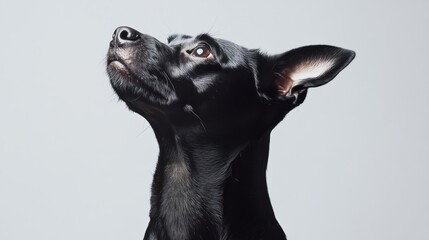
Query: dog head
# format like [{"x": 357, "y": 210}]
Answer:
[{"x": 213, "y": 85}]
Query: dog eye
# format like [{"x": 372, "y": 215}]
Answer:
[{"x": 202, "y": 51}]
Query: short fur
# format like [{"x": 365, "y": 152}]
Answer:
[{"x": 212, "y": 117}]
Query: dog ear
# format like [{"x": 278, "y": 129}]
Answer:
[{"x": 311, "y": 66}]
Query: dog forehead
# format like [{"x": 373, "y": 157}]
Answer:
[
  {"x": 236, "y": 54},
  {"x": 177, "y": 39}
]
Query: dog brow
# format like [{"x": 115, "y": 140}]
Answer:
[
  {"x": 204, "y": 37},
  {"x": 177, "y": 36}
]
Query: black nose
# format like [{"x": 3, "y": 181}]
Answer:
[{"x": 124, "y": 35}]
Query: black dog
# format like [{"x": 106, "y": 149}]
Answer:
[{"x": 212, "y": 105}]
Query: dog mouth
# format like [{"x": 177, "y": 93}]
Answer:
[
  {"x": 117, "y": 64},
  {"x": 112, "y": 60}
]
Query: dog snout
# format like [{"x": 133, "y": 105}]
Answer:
[{"x": 123, "y": 36}]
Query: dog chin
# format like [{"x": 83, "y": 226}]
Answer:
[
  {"x": 129, "y": 92},
  {"x": 120, "y": 78},
  {"x": 117, "y": 65},
  {"x": 117, "y": 68}
]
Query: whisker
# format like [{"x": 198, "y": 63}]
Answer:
[
  {"x": 144, "y": 130},
  {"x": 169, "y": 80},
  {"x": 189, "y": 108},
  {"x": 138, "y": 97}
]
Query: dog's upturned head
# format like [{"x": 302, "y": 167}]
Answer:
[{"x": 217, "y": 85}]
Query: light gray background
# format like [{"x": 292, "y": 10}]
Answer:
[{"x": 351, "y": 163}]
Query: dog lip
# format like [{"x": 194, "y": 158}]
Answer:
[
  {"x": 112, "y": 56},
  {"x": 118, "y": 66},
  {"x": 111, "y": 59}
]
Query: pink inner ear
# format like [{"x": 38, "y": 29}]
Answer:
[
  {"x": 311, "y": 69},
  {"x": 291, "y": 77},
  {"x": 284, "y": 83}
]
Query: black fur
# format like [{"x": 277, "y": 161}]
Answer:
[{"x": 212, "y": 117}]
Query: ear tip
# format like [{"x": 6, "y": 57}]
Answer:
[
  {"x": 344, "y": 55},
  {"x": 350, "y": 55}
]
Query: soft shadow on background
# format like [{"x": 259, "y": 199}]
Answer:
[{"x": 351, "y": 163}]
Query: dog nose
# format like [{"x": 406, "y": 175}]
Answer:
[{"x": 124, "y": 35}]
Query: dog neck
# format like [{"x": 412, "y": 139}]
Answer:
[
  {"x": 188, "y": 187},
  {"x": 247, "y": 206},
  {"x": 205, "y": 190}
]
